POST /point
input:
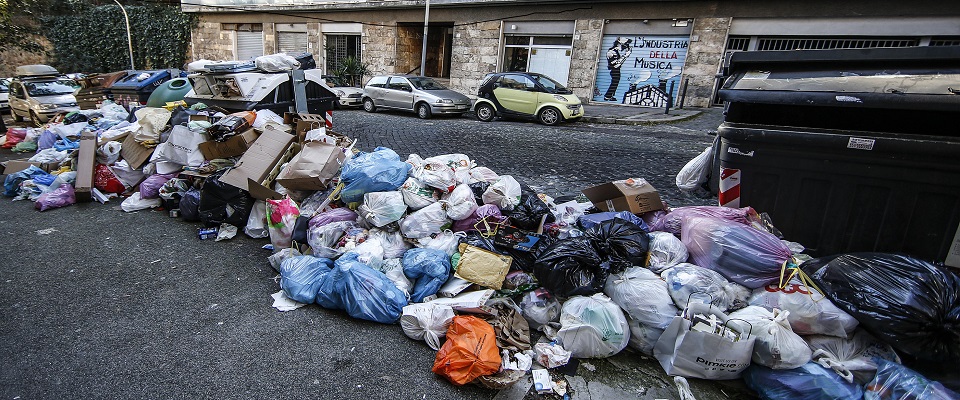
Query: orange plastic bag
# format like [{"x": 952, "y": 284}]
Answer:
[{"x": 469, "y": 352}]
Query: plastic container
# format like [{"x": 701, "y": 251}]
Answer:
[
  {"x": 172, "y": 90},
  {"x": 847, "y": 150},
  {"x": 133, "y": 89}
]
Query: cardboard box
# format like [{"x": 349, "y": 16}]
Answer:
[
  {"x": 303, "y": 122},
  {"x": 135, "y": 153},
  {"x": 86, "y": 162},
  {"x": 635, "y": 195},
  {"x": 232, "y": 147},
  {"x": 14, "y": 166},
  {"x": 261, "y": 160},
  {"x": 316, "y": 164}
]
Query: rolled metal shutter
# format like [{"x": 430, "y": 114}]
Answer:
[
  {"x": 249, "y": 45},
  {"x": 291, "y": 42}
]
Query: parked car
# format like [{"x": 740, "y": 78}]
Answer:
[
  {"x": 4, "y": 94},
  {"x": 39, "y": 92},
  {"x": 526, "y": 95},
  {"x": 419, "y": 94},
  {"x": 347, "y": 95}
]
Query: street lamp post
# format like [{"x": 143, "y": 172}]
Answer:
[
  {"x": 129, "y": 39},
  {"x": 423, "y": 55}
]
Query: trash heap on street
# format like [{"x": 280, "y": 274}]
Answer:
[{"x": 499, "y": 280}]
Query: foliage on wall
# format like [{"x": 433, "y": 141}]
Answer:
[{"x": 95, "y": 40}]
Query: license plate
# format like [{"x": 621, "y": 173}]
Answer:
[{"x": 461, "y": 107}]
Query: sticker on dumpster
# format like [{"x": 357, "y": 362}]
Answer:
[
  {"x": 849, "y": 99},
  {"x": 734, "y": 150},
  {"x": 860, "y": 143}
]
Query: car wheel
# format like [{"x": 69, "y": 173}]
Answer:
[
  {"x": 549, "y": 116},
  {"x": 16, "y": 117},
  {"x": 485, "y": 112},
  {"x": 35, "y": 120},
  {"x": 423, "y": 111},
  {"x": 368, "y": 105}
]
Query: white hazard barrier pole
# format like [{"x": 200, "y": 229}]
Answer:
[
  {"x": 329, "y": 119},
  {"x": 729, "y": 187}
]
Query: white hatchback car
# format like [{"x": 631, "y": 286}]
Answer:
[
  {"x": 419, "y": 94},
  {"x": 4, "y": 94},
  {"x": 39, "y": 92}
]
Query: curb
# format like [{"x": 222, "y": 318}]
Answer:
[{"x": 629, "y": 121}]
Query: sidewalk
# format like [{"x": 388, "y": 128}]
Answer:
[{"x": 605, "y": 113}]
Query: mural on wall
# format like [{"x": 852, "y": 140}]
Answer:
[{"x": 641, "y": 70}]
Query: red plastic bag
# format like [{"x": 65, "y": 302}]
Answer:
[
  {"x": 469, "y": 352},
  {"x": 14, "y": 136},
  {"x": 105, "y": 180}
]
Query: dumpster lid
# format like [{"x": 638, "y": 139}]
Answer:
[{"x": 902, "y": 78}]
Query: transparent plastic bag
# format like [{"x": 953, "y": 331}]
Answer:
[
  {"x": 539, "y": 308},
  {"x": 593, "y": 327},
  {"x": 810, "y": 312},
  {"x": 381, "y": 208},
  {"x": 424, "y": 222},
  {"x": 745, "y": 255},
  {"x": 257, "y": 222},
  {"x": 504, "y": 193},
  {"x": 427, "y": 322},
  {"x": 643, "y": 296},
  {"x": 301, "y": 277},
  {"x": 696, "y": 171},
  {"x": 323, "y": 238},
  {"x": 895, "y": 381},
  {"x": 853, "y": 359},
  {"x": 417, "y": 195},
  {"x": 665, "y": 251},
  {"x": 777, "y": 346},
  {"x": 459, "y": 204},
  {"x": 688, "y": 283}
]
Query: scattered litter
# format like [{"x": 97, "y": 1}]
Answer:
[
  {"x": 47, "y": 231},
  {"x": 589, "y": 367}
]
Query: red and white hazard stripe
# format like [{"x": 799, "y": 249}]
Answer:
[
  {"x": 729, "y": 187},
  {"x": 329, "y": 119}
]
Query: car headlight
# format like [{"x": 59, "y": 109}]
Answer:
[
  {"x": 340, "y": 93},
  {"x": 560, "y": 98},
  {"x": 444, "y": 101},
  {"x": 47, "y": 106}
]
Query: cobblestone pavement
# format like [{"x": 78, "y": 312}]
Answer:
[{"x": 557, "y": 161}]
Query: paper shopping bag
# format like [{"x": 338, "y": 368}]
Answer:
[
  {"x": 313, "y": 167},
  {"x": 687, "y": 349}
]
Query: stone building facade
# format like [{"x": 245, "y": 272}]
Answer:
[{"x": 643, "y": 53}]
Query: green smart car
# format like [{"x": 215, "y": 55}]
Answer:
[{"x": 526, "y": 95}]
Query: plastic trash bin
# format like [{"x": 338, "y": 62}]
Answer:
[
  {"x": 133, "y": 89},
  {"x": 848, "y": 150},
  {"x": 94, "y": 89}
]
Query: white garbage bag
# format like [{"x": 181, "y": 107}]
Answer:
[
  {"x": 109, "y": 153},
  {"x": 643, "y": 295},
  {"x": 381, "y": 208},
  {"x": 504, "y": 193},
  {"x": 482, "y": 174},
  {"x": 436, "y": 174},
  {"x": 696, "y": 171},
  {"x": 688, "y": 283},
  {"x": 643, "y": 337},
  {"x": 593, "y": 327},
  {"x": 393, "y": 269},
  {"x": 460, "y": 203},
  {"x": 551, "y": 355},
  {"x": 666, "y": 251},
  {"x": 257, "y": 221},
  {"x": 417, "y": 195},
  {"x": 393, "y": 244},
  {"x": 370, "y": 252},
  {"x": 427, "y": 322},
  {"x": 852, "y": 359},
  {"x": 276, "y": 62},
  {"x": 539, "y": 308},
  {"x": 135, "y": 203},
  {"x": 424, "y": 222},
  {"x": 810, "y": 312},
  {"x": 446, "y": 241},
  {"x": 777, "y": 346}
]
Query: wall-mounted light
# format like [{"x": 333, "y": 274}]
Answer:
[{"x": 646, "y": 21}]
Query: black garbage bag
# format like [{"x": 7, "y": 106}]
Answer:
[
  {"x": 478, "y": 188},
  {"x": 74, "y": 117},
  {"x": 912, "y": 305},
  {"x": 621, "y": 242},
  {"x": 189, "y": 205},
  {"x": 571, "y": 267},
  {"x": 529, "y": 212},
  {"x": 220, "y": 202},
  {"x": 522, "y": 260}
]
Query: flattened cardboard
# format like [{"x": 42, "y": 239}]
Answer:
[
  {"x": 14, "y": 166},
  {"x": 635, "y": 195},
  {"x": 259, "y": 160},
  {"x": 232, "y": 147},
  {"x": 85, "y": 167},
  {"x": 135, "y": 153},
  {"x": 322, "y": 166}
]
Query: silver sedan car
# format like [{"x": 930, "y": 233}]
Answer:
[{"x": 419, "y": 94}]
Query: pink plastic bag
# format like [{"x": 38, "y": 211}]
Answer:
[
  {"x": 281, "y": 219},
  {"x": 60, "y": 197},
  {"x": 672, "y": 221},
  {"x": 484, "y": 219},
  {"x": 150, "y": 187},
  {"x": 743, "y": 254},
  {"x": 334, "y": 215}
]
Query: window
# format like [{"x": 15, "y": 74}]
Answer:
[
  {"x": 249, "y": 45},
  {"x": 399, "y": 84},
  {"x": 518, "y": 82},
  {"x": 339, "y": 47},
  {"x": 378, "y": 81},
  {"x": 520, "y": 52}
]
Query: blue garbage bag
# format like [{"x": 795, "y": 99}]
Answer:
[
  {"x": 66, "y": 144},
  {"x": 46, "y": 140},
  {"x": 44, "y": 179},
  {"x": 430, "y": 267},
  {"x": 588, "y": 221},
  {"x": 361, "y": 291},
  {"x": 379, "y": 171},
  {"x": 301, "y": 276},
  {"x": 809, "y": 382},
  {"x": 895, "y": 381},
  {"x": 190, "y": 205},
  {"x": 11, "y": 185}
]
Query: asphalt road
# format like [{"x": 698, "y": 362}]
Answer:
[{"x": 99, "y": 303}]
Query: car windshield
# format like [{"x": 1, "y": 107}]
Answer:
[
  {"x": 4, "y": 86},
  {"x": 551, "y": 85},
  {"x": 51, "y": 88},
  {"x": 425, "y": 83}
]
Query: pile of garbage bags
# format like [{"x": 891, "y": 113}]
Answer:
[{"x": 500, "y": 280}]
